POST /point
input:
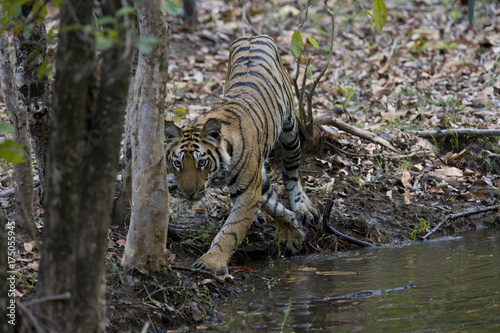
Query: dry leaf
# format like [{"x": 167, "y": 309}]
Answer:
[
  {"x": 484, "y": 97},
  {"x": 225, "y": 276},
  {"x": 478, "y": 195},
  {"x": 405, "y": 178},
  {"x": 329, "y": 186},
  {"x": 407, "y": 197},
  {"x": 30, "y": 245},
  {"x": 480, "y": 183},
  {"x": 206, "y": 281}
]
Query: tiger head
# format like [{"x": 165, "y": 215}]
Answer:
[{"x": 196, "y": 156}]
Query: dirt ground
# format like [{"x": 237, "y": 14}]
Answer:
[{"x": 427, "y": 69}]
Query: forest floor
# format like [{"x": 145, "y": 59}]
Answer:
[{"x": 428, "y": 69}]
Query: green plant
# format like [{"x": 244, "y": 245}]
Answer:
[
  {"x": 420, "y": 229},
  {"x": 454, "y": 139},
  {"x": 287, "y": 312},
  {"x": 10, "y": 150},
  {"x": 453, "y": 198}
]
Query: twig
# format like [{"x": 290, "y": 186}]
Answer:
[
  {"x": 453, "y": 132},
  {"x": 362, "y": 134},
  {"x": 145, "y": 327},
  {"x": 12, "y": 191},
  {"x": 31, "y": 317},
  {"x": 194, "y": 270},
  {"x": 61, "y": 297},
  {"x": 329, "y": 228},
  {"x": 463, "y": 214}
]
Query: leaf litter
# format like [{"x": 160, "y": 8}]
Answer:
[{"x": 427, "y": 69}]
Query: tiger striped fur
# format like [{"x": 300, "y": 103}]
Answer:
[{"x": 230, "y": 146}]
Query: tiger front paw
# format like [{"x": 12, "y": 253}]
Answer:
[
  {"x": 291, "y": 237},
  {"x": 210, "y": 264},
  {"x": 307, "y": 216}
]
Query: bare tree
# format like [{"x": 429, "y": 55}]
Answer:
[
  {"x": 87, "y": 125},
  {"x": 147, "y": 235}
]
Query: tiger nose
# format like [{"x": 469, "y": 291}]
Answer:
[{"x": 190, "y": 193}]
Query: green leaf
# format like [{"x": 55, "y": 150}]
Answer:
[
  {"x": 11, "y": 151},
  {"x": 172, "y": 8},
  {"x": 367, "y": 12},
  {"x": 176, "y": 118},
  {"x": 146, "y": 43},
  {"x": 342, "y": 90},
  {"x": 313, "y": 42},
  {"x": 350, "y": 95},
  {"x": 105, "y": 20},
  {"x": 6, "y": 128},
  {"x": 179, "y": 112},
  {"x": 297, "y": 45},
  {"x": 103, "y": 42},
  {"x": 470, "y": 14},
  {"x": 379, "y": 14},
  {"x": 124, "y": 11},
  {"x": 309, "y": 72}
]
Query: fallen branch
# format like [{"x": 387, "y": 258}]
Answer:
[
  {"x": 330, "y": 229},
  {"x": 463, "y": 214},
  {"x": 364, "y": 134},
  {"x": 12, "y": 191},
  {"x": 454, "y": 132}
]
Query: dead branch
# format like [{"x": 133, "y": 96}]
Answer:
[
  {"x": 364, "y": 134},
  {"x": 463, "y": 214},
  {"x": 330, "y": 229},
  {"x": 454, "y": 132},
  {"x": 306, "y": 122}
]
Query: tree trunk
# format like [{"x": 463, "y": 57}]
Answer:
[
  {"x": 35, "y": 91},
  {"x": 81, "y": 170},
  {"x": 123, "y": 200},
  {"x": 190, "y": 11},
  {"x": 147, "y": 235},
  {"x": 23, "y": 178},
  {"x": 8, "y": 318}
]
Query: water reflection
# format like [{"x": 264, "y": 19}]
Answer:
[{"x": 457, "y": 288}]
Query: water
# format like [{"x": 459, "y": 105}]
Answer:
[{"x": 456, "y": 289}]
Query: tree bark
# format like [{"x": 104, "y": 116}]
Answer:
[
  {"x": 5, "y": 298},
  {"x": 147, "y": 235},
  {"x": 123, "y": 200},
  {"x": 81, "y": 170},
  {"x": 190, "y": 11},
  {"x": 35, "y": 91},
  {"x": 23, "y": 177}
]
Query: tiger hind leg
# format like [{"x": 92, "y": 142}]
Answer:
[
  {"x": 300, "y": 203},
  {"x": 288, "y": 230}
]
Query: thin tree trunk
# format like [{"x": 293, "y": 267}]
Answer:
[
  {"x": 123, "y": 200},
  {"x": 190, "y": 11},
  {"x": 23, "y": 178},
  {"x": 8, "y": 318},
  {"x": 35, "y": 91},
  {"x": 147, "y": 235},
  {"x": 81, "y": 170}
]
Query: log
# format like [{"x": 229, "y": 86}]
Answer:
[
  {"x": 454, "y": 132},
  {"x": 463, "y": 214},
  {"x": 364, "y": 134}
]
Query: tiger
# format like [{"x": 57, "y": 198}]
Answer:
[{"x": 230, "y": 145}]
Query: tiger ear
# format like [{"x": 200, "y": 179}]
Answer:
[
  {"x": 211, "y": 130},
  {"x": 171, "y": 131}
]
